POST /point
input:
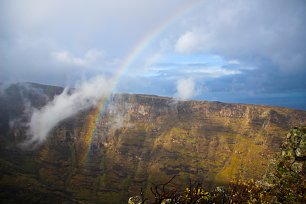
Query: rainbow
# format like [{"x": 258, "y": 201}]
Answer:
[
  {"x": 90, "y": 127},
  {"x": 150, "y": 37},
  {"x": 94, "y": 118}
]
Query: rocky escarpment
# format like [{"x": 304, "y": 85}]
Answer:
[{"x": 106, "y": 155}]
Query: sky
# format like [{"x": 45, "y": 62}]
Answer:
[{"x": 231, "y": 51}]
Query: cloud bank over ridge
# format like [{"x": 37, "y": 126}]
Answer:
[{"x": 65, "y": 105}]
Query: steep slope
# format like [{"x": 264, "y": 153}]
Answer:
[{"x": 104, "y": 155}]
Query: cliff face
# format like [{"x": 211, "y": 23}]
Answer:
[{"x": 134, "y": 142}]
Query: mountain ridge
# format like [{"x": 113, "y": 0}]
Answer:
[
  {"x": 58, "y": 87},
  {"x": 136, "y": 141}
]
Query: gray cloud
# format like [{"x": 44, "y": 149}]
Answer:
[
  {"x": 59, "y": 42},
  {"x": 85, "y": 61},
  {"x": 274, "y": 30},
  {"x": 48, "y": 40}
]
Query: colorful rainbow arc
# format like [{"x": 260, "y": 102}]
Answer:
[
  {"x": 92, "y": 120},
  {"x": 140, "y": 47},
  {"x": 151, "y": 36}
]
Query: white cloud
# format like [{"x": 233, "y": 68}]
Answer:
[
  {"x": 67, "y": 58},
  {"x": 188, "y": 42},
  {"x": 65, "y": 105},
  {"x": 234, "y": 62},
  {"x": 152, "y": 59},
  {"x": 185, "y": 88},
  {"x": 213, "y": 72}
]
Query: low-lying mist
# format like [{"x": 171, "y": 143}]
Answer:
[{"x": 71, "y": 101}]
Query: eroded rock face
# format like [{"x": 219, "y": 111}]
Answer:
[
  {"x": 294, "y": 150},
  {"x": 106, "y": 155}
]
